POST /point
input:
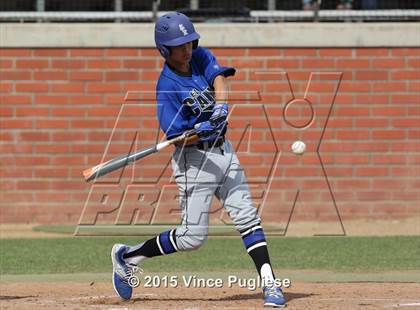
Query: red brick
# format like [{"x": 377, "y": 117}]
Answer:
[
  {"x": 388, "y": 134},
  {"x": 388, "y": 184},
  {"x": 6, "y": 63},
  {"x": 405, "y": 75},
  {"x": 31, "y": 63},
  {"x": 372, "y": 171},
  {"x": 52, "y": 123},
  {"x": 388, "y": 63},
  {"x": 388, "y": 159},
  {"x": 51, "y": 172},
  {"x": 389, "y": 111},
  {"x": 71, "y": 111},
  {"x": 52, "y": 148},
  {"x": 370, "y": 146},
  {"x": 34, "y": 136},
  {"x": 413, "y": 86},
  {"x": 373, "y": 195},
  {"x": 67, "y": 87},
  {"x": 389, "y": 86},
  {"x": 413, "y": 111},
  {"x": 29, "y": 160},
  {"x": 6, "y": 87},
  {"x": 102, "y": 111},
  {"x": 68, "y": 136},
  {"x": 140, "y": 86},
  {"x": 15, "y": 75},
  {"x": 298, "y": 76},
  {"x": 282, "y": 63},
  {"x": 406, "y": 99},
  {"x": 264, "y": 52},
  {"x": 121, "y": 52},
  {"x": 16, "y": 123},
  {"x": 114, "y": 99},
  {"x": 371, "y": 99},
  {"x": 6, "y": 111},
  {"x": 353, "y": 184},
  {"x": 103, "y": 87},
  {"x": 406, "y": 122},
  {"x": 335, "y": 52},
  {"x": 356, "y": 111},
  {"x": 404, "y": 147},
  {"x": 4, "y": 52},
  {"x": 317, "y": 63},
  {"x": 321, "y": 87},
  {"x": 149, "y": 52},
  {"x": 86, "y": 76},
  {"x": 15, "y": 99},
  {"x": 412, "y": 51},
  {"x": 104, "y": 63},
  {"x": 31, "y": 87},
  {"x": 230, "y": 52},
  {"x": 372, "y": 122},
  {"x": 50, "y": 75},
  {"x": 149, "y": 75},
  {"x": 86, "y": 52},
  {"x": 121, "y": 76},
  {"x": 51, "y": 99},
  {"x": 353, "y": 63},
  {"x": 33, "y": 185},
  {"x": 372, "y": 52},
  {"x": 87, "y": 124},
  {"x": 32, "y": 111},
  {"x": 371, "y": 75},
  {"x": 352, "y": 134},
  {"x": 15, "y": 148},
  {"x": 140, "y": 63},
  {"x": 413, "y": 63},
  {"x": 247, "y": 63},
  {"x": 351, "y": 86},
  {"x": 54, "y": 52},
  {"x": 68, "y": 64},
  {"x": 295, "y": 52},
  {"x": 86, "y": 99},
  {"x": 352, "y": 159}
]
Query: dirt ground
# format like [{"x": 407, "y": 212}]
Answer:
[{"x": 325, "y": 296}]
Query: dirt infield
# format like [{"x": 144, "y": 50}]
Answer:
[{"x": 325, "y": 296}]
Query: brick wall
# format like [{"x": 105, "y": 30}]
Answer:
[{"x": 58, "y": 108}]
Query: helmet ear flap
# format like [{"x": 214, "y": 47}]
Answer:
[
  {"x": 195, "y": 44},
  {"x": 164, "y": 51}
]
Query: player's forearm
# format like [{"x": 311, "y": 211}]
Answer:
[{"x": 221, "y": 89}]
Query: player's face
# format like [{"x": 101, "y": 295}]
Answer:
[{"x": 181, "y": 53}]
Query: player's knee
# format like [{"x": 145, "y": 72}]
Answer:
[{"x": 192, "y": 241}]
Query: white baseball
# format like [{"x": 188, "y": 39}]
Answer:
[{"x": 298, "y": 147}]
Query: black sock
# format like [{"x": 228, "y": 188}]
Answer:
[
  {"x": 260, "y": 257},
  {"x": 256, "y": 246},
  {"x": 148, "y": 249},
  {"x": 164, "y": 243}
]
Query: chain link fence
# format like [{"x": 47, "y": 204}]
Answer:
[{"x": 210, "y": 10}]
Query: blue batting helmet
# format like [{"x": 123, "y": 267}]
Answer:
[{"x": 173, "y": 29}]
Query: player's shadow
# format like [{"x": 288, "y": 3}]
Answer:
[
  {"x": 288, "y": 296},
  {"x": 14, "y": 297}
]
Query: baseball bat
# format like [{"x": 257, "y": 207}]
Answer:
[{"x": 122, "y": 161}]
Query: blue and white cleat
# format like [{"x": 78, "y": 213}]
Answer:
[
  {"x": 273, "y": 297},
  {"x": 121, "y": 272}
]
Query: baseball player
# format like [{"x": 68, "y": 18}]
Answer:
[{"x": 192, "y": 92}]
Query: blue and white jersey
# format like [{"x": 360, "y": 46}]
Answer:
[{"x": 187, "y": 99}]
